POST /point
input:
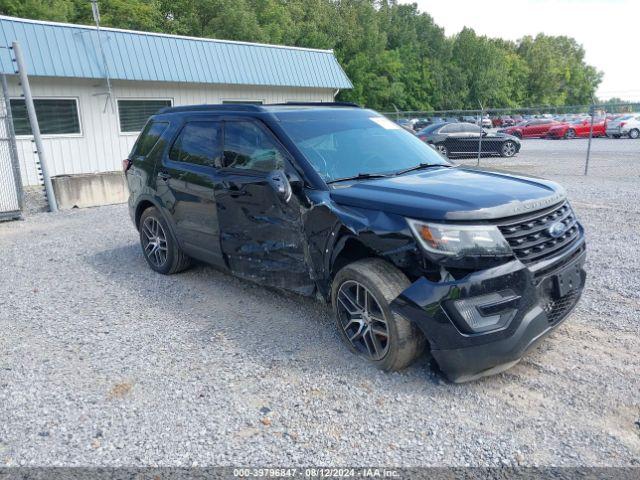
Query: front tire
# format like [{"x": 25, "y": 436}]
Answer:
[
  {"x": 571, "y": 133},
  {"x": 159, "y": 247},
  {"x": 508, "y": 149},
  {"x": 361, "y": 294},
  {"x": 634, "y": 133}
]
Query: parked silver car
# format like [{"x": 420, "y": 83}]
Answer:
[{"x": 626, "y": 125}]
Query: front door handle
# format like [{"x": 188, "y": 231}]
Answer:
[
  {"x": 233, "y": 190},
  {"x": 164, "y": 176}
]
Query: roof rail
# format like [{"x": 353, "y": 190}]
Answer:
[
  {"x": 250, "y": 107},
  {"x": 315, "y": 104},
  {"x": 235, "y": 107}
]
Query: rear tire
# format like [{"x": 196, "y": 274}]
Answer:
[
  {"x": 634, "y": 133},
  {"x": 361, "y": 293},
  {"x": 159, "y": 246}
]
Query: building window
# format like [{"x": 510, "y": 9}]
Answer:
[
  {"x": 133, "y": 114},
  {"x": 56, "y": 116}
]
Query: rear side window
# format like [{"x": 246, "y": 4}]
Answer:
[
  {"x": 451, "y": 128},
  {"x": 430, "y": 128},
  {"x": 470, "y": 128},
  {"x": 148, "y": 138},
  {"x": 249, "y": 147},
  {"x": 199, "y": 143}
]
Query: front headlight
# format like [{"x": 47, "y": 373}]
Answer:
[{"x": 460, "y": 240}]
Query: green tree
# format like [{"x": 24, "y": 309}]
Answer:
[
  {"x": 559, "y": 74},
  {"x": 395, "y": 55}
]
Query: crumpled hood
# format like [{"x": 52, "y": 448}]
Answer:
[{"x": 444, "y": 193}]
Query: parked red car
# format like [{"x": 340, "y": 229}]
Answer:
[
  {"x": 578, "y": 128},
  {"x": 534, "y": 128}
]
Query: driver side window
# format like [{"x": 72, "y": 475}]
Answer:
[{"x": 248, "y": 147}]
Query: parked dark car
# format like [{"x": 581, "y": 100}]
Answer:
[
  {"x": 339, "y": 202},
  {"x": 421, "y": 123},
  {"x": 463, "y": 139}
]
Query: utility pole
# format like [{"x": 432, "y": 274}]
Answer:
[
  {"x": 35, "y": 128},
  {"x": 481, "y": 132},
  {"x": 586, "y": 163},
  {"x": 95, "y": 9}
]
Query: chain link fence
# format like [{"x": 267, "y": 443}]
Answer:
[
  {"x": 595, "y": 140},
  {"x": 10, "y": 181}
]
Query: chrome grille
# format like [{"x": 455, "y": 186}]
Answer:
[{"x": 530, "y": 239}]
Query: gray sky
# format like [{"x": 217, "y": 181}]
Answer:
[{"x": 609, "y": 30}]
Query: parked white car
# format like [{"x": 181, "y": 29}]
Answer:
[
  {"x": 626, "y": 125},
  {"x": 486, "y": 122}
]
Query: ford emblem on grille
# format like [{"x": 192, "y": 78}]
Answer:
[{"x": 557, "y": 229}]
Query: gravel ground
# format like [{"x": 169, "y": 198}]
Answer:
[{"x": 105, "y": 363}]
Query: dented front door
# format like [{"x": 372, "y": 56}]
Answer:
[{"x": 260, "y": 232}]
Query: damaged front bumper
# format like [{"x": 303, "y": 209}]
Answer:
[{"x": 524, "y": 302}]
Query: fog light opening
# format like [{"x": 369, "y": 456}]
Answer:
[{"x": 487, "y": 312}]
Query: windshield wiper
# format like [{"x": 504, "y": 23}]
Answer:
[
  {"x": 360, "y": 176},
  {"x": 420, "y": 166}
]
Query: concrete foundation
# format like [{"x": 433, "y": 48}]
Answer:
[{"x": 89, "y": 190}]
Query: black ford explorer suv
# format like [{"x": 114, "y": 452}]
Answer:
[{"x": 413, "y": 252}]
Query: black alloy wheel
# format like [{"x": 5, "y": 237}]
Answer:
[
  {"x": 154, "y": 242},
  {"x": 362, "y": 320}
]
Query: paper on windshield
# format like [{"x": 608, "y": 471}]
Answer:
[{"x": 385, "y": 123}]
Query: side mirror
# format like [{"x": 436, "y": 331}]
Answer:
[
  {"x": 484, "y": 133},
  {"x": 285, "y": 183}
]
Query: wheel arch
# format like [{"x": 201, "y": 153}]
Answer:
[
  {"x": 147, "y": 201},
  {"x": 347, "y": 249},
  {"x": 350, "y": 247},
  {"x": 142, "y": 205}
]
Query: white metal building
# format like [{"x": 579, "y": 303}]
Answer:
[{"x": 93, "y": 90}]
